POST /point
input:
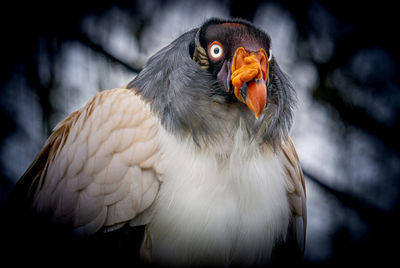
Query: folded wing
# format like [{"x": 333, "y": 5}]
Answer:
[
  {"x": 100, "y": 166},
  {"x": 296, "y": 192}
]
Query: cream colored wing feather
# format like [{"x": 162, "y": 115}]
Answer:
[
  {"x": 99, "y": 168},
  {"x": 296, "y": 192}
]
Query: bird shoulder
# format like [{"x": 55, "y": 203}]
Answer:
[{"x": 99, "y": 166}]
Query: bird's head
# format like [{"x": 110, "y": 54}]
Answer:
[
  {"x": 215, "y": 77},
  {"x": 238, "y": 55}
]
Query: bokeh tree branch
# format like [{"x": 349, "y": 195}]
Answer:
[{"x": 84, "y": 39}]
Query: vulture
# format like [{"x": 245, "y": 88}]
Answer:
[{"x": 189, "y": 164}]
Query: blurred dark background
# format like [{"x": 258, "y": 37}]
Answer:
[{"x": 342, "y": 58}]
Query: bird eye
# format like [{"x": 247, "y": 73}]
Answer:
[{"x": 215, "y": 50}]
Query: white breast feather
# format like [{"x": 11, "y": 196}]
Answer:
[{"x": 213, "y": 211}]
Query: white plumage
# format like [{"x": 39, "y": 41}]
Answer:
[{"x": 214, "y": 209}]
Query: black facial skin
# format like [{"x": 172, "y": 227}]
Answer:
[{"x": 232, "y": 35}]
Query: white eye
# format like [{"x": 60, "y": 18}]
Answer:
[{"x": 215, "y": 50}]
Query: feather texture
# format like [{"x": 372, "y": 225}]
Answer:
[
  {"x": 100, "y": 164},
  {"x": 219, "y": 211},
  {"x": 296, "y": 191}
]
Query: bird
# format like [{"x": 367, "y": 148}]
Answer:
[{"x": 194, "y": 153}]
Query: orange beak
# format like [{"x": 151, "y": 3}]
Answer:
[{"x": 249, "y": 77}]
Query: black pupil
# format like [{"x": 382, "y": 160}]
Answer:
[{"x": 216, "y": 50}]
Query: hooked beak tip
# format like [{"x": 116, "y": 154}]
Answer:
[{"x": 256, "y": 98}]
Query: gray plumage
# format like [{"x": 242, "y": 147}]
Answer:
[{"x": 204, "y": 110}]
